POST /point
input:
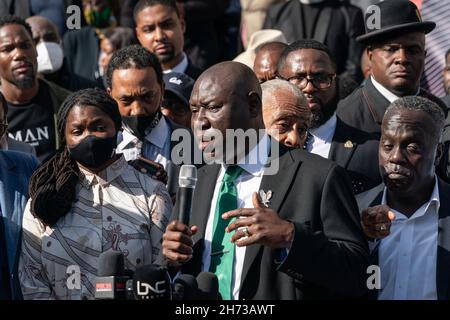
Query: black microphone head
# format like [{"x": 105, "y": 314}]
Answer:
[
  {"x": 208, "y": 286},
  {"x": 186, "y": 287},
  {"x": 110, "y": 263},
  {"x": 152, "y": 282}
]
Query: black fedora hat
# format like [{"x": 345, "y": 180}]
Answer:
[{"x": 392, "y": 17}]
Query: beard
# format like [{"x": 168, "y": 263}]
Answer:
[
  {"x": 25, "y": 82},
  {"x": 166, "y": 57},
  {"x": 322, "y": 115}
]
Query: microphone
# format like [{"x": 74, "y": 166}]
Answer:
[
  {"x": 186, "y": 181},
  {"x": 185, "y": 287},
  {"x": 208, "y": 286},
  {"x": 152, "y": 282},
  {"x": 112, "y": 277}
]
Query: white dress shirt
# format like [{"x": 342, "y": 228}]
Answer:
[
  {"x": 322, "y": 138},
  {"x": 407, "y": 257},
  {"x": 247, "y": 183},
  {"x": 181, "y": 67},
  {"x": 156, "y": 146},
  {"x": 385, "y": 92}
]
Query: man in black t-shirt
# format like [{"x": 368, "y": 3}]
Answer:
[{"x": 32, "y": 102}]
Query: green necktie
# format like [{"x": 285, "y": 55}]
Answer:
[{"x": 222, "y": 250}]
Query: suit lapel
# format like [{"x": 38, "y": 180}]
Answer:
[
  {"x": 279, "y": 185},
  {"x": 324, "y": 21},
  {"x": 443, "y": 249},
  {"x": 341, "y": 151},
  {"x": 374, "y": 101}
]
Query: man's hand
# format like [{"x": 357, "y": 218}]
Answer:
[
  {"x": 177, "y": 243},
  {"x": 376, "y": 221},
  {"x": 259, "y": 225}
]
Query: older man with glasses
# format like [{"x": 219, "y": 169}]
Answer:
[{"x": 309, "y": 65}]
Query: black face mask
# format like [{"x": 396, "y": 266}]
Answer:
[
  {"x": 138, "y": 124},
  {"x": 93, "y": 152}
]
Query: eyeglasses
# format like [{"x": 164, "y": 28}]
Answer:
[
  {"x": 3, "y": 128},
  {"x": 320, "y": 81}
]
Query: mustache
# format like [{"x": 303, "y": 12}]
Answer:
[
  {"x": 207, "y": 135},
  {"x": 396, "y": 169}
]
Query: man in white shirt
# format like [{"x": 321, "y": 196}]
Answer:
[
  {"x": 396, "y": 53},
  {"x": 159, "y": 29},
  {"x": 308, "y": 64},
  {"x": 409, "y": 210},
  {"x": 288, "y": 233}
]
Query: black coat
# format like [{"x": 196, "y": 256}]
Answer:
[
  {"x": 359, "y": 121},
  {"x": 337, "y": 27},
  {"x": 82, "y": 49},
  {"x": 329, "y": 253},
  {"x": 193, "y": 71},
  {"x": 374, "y": 197}
]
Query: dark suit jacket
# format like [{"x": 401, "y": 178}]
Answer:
[
  {"x": 446, "y": 100},
  {"x": 193, "y": 71},
  {"x": 359, "y": 121},
  {"x": 20, "y": 8},
  {"x": 374, "y": 197},
  {"x": 337, "y": 27},
  {"x": 82, "y": 49},
  {"x": 16, "y": 169},
  {"x": 328, "y": 256}
]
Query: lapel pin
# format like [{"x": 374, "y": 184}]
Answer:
[
  {"x": 348, "y": 144},
  {"x": 265, "y": 197}
]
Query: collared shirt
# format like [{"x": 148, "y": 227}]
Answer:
[
  {"x": 118, "y": 209},
  {"x": 248, "y": 182},
  {"x": 322, "y": 138},
  {"x": 156, "y": 146},
  {"x": 181, "y": 67},
  {"x": 407, "y": 257},
  {"x": 385, "y": 92}
]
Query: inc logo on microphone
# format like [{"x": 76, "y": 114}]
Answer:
[{"x": 143, "y": 289}]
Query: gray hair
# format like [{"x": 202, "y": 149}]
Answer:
[
  {"x": 420, "y": 104},
  {"x": 271, "y": 86}
]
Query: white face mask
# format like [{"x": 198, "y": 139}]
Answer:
[{"x": 50, "y": 57}]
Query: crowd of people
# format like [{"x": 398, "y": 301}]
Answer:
[{"x": 344, "y": 165}]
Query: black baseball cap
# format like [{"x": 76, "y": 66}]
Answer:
[{"x": 180, "y": 85}]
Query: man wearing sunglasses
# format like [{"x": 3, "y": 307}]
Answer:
[{"x": 309, "y": 65}]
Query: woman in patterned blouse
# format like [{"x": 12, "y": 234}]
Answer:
[{"x": 87, "y": 200}]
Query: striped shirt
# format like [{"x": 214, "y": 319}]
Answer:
[{"x": 118, "y": 209}]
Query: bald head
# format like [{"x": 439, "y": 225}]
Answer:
[
  {"x": 286, "y": 113},
  {"x": 266, "y": 60},
  {"x": 226, "y": 97},
  {"x": 43, "y": 30},
  {"x": 233, "y": 77}
]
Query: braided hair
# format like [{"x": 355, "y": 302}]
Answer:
[{"x": 53, "y": 186}]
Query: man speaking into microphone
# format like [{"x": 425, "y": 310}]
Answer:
[{"x": 290, "y": 234}]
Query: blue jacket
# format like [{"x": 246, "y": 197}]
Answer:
[{"x": 16, "y": 169}]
